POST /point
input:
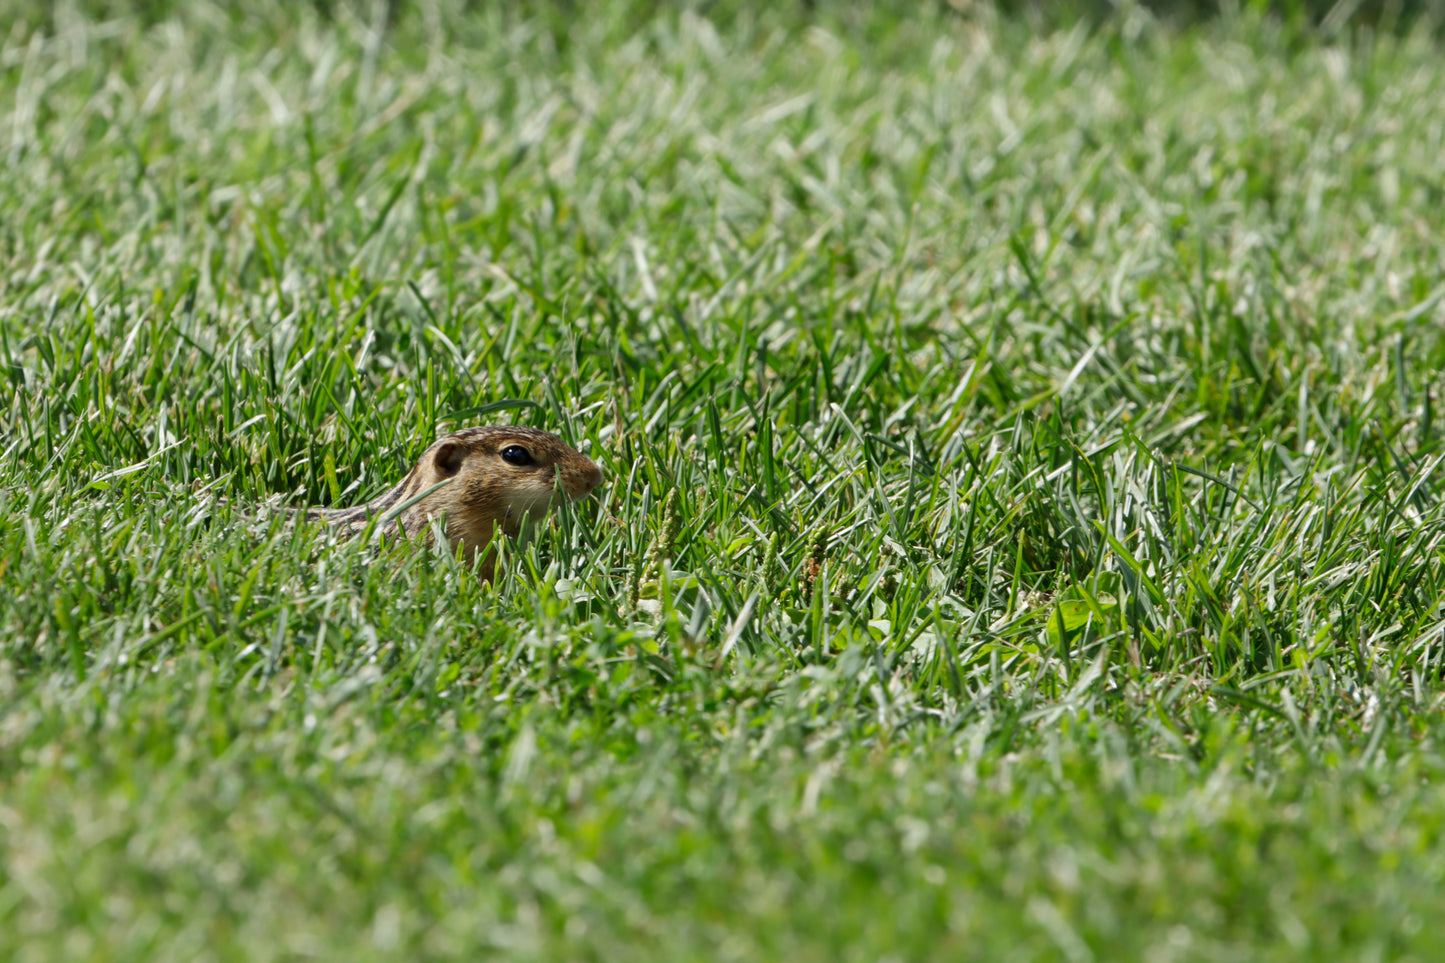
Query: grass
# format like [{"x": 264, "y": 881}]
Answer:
[{"x": 1022, "y": 537}]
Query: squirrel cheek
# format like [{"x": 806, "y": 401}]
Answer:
[{"x": 533, "y": 500}]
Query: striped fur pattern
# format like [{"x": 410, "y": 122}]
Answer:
[{"x": 480, "y": 480}]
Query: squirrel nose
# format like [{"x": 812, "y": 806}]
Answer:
[
  {"x": 591, "y": 476},
  {"x": 579, "y": 478}
]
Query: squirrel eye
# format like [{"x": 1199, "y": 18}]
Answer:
[{"x": 516, "y": 455}]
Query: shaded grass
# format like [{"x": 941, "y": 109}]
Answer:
[{"x": 1021, "y": 529}]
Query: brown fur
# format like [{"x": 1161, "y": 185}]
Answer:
[{"x": 483, "y": 492}]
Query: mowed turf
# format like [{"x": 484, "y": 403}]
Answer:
[{"x": 1022, "y": 535}]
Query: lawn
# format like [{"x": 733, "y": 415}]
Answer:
[{"x": 1022, "y": 536}]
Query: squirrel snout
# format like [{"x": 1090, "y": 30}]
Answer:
[{"x": 588, "y": 477}]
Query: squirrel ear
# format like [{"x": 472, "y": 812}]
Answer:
[{"x": 448, "y": 458}]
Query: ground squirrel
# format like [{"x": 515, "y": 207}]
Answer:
[{"x": 482, "y": 480}]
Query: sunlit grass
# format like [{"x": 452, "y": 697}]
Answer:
[{"x": 1021, "y": 535}]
